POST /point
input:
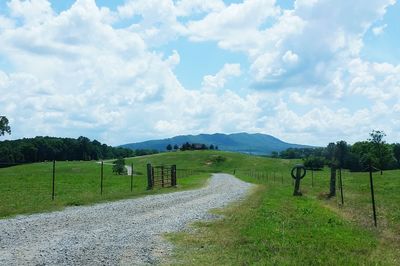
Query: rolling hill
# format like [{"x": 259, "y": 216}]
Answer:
[{"x": 260, "y": 144}]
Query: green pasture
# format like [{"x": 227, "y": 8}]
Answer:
[{"x": 269, "y": 227}]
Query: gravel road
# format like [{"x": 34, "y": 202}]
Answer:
[{"x": 127, "y": 232}]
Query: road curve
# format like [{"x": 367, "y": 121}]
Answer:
[{"x": 126, "y": 232}]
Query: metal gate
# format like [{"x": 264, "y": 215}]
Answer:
[{"x": 161, "y": 176}]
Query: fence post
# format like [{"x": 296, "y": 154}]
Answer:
[
  {"x": 131, "y": 177},
  {"x": 173, "y": 175},
  {"x": 372, "y": 194},
  {"x": 341, "y": 185},
  {"x": 101, "y": 178},
  {"x": 54, "y": 179},
  {"x": 149, "y": 177}
]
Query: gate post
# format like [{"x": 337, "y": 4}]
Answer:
[
  {"x": 149, "y": 177},
  {"x": 173, "y": 175}
]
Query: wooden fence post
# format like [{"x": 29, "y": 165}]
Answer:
[
  {"x": 173, "y": 175},
  {"x": 149, "y": 177},
  {"x": 54, "y": 180}
]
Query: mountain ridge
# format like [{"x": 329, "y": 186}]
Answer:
[{"x": 255, "y": 143}]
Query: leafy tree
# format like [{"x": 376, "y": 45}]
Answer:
[
  {"x": 380, "y": 150},
  {"x": 169, "y": 147},
  {"x": 341, "y": 152},
  {"x": 313, "y": 162},
  {"x": 330, "y": 156},
  {"x": 40, "y": 149},
  {"x": 211, "y": 147},
  {"x": 176, "y": 147},
  {"x": 119, "y": 166},
  {"x": 4, "y": 127},
  {"x": 396, "y": 153}
]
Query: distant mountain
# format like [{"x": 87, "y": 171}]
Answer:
[{"x": 260, "y": 144}]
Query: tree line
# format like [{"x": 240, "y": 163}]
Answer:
[
  {"x": 38, "y": 149},
  {"x": 356, "y": 157},
  {"x": 191, "y": 146}
]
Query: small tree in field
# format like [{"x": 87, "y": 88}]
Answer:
[
  {"x": 169, "y": 147},
  {"x": 380, "y": 150},
  {"x": 4, "y": 127},
  {"x": 176, "y": 147},
  {"x": 119, "y": 166}
]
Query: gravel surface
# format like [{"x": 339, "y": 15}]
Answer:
[{"x": 127, "y": 232}]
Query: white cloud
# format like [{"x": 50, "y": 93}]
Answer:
[
  {"x": 189, "y": 7},
  {"x": 76, "y": 73},
  {"x": 219, "y": 79},
  {"x": 31, "y": 11},
  {"x": 290, "y": 58},
  {"x": 379, "y": 30}
]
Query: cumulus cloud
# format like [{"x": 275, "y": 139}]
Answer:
[
  {"x": 77, "y": 73},
  {"x": 219, "y": 79}
]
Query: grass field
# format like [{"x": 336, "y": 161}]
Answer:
[
  {"x": 273, "y": 227},
  {"x": 270, "y": 227}
]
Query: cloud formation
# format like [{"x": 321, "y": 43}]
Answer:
[{"x": 97, "y": 71}]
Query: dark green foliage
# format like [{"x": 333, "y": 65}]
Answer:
[
  {"x": 314, "y": 162},
  {"x": 41, "y": 149},
  {"x": 4, "y": 127},
  {"x": 354, "y": 157},
  {"x": 119, "y": 166},
  {"x": 176, "y": 147},
  {"x": 169, "y": 147},
  {"x": 380, "y": 150},
  {"x": 396, "y": 153},
  {"x": 193, "y": 146}
]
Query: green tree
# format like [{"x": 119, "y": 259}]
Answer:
[
  {"x": 176, "y": 147},
  {"x": 396, "y": 153},
  {"x": 169, "y": 147},
  {"x": 314, "y": 162},
  {"x": 4, "y": 127},
  {"x": 380, "y": 150},
  {"x": 341, "y": 152},
  {"x": 119, "y": 166}
]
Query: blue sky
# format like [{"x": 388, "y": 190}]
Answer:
[{"x": 305, "y": 71}]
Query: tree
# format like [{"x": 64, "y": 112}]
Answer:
[
  {"x": 341, "y": 151},
  {"x": 380, "y": 150},
  {"x": 396, "y": 153},
  {"x": 211, "y": 147},
  {"x": 169, "y": 147},
  {"x": 176, "y": 147},
  {"x": 119, "y": 166},
  {"x": 4, "y": 127},
  {"x": 313, "y": 162},
  {"x": 330, "y": 155}
]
